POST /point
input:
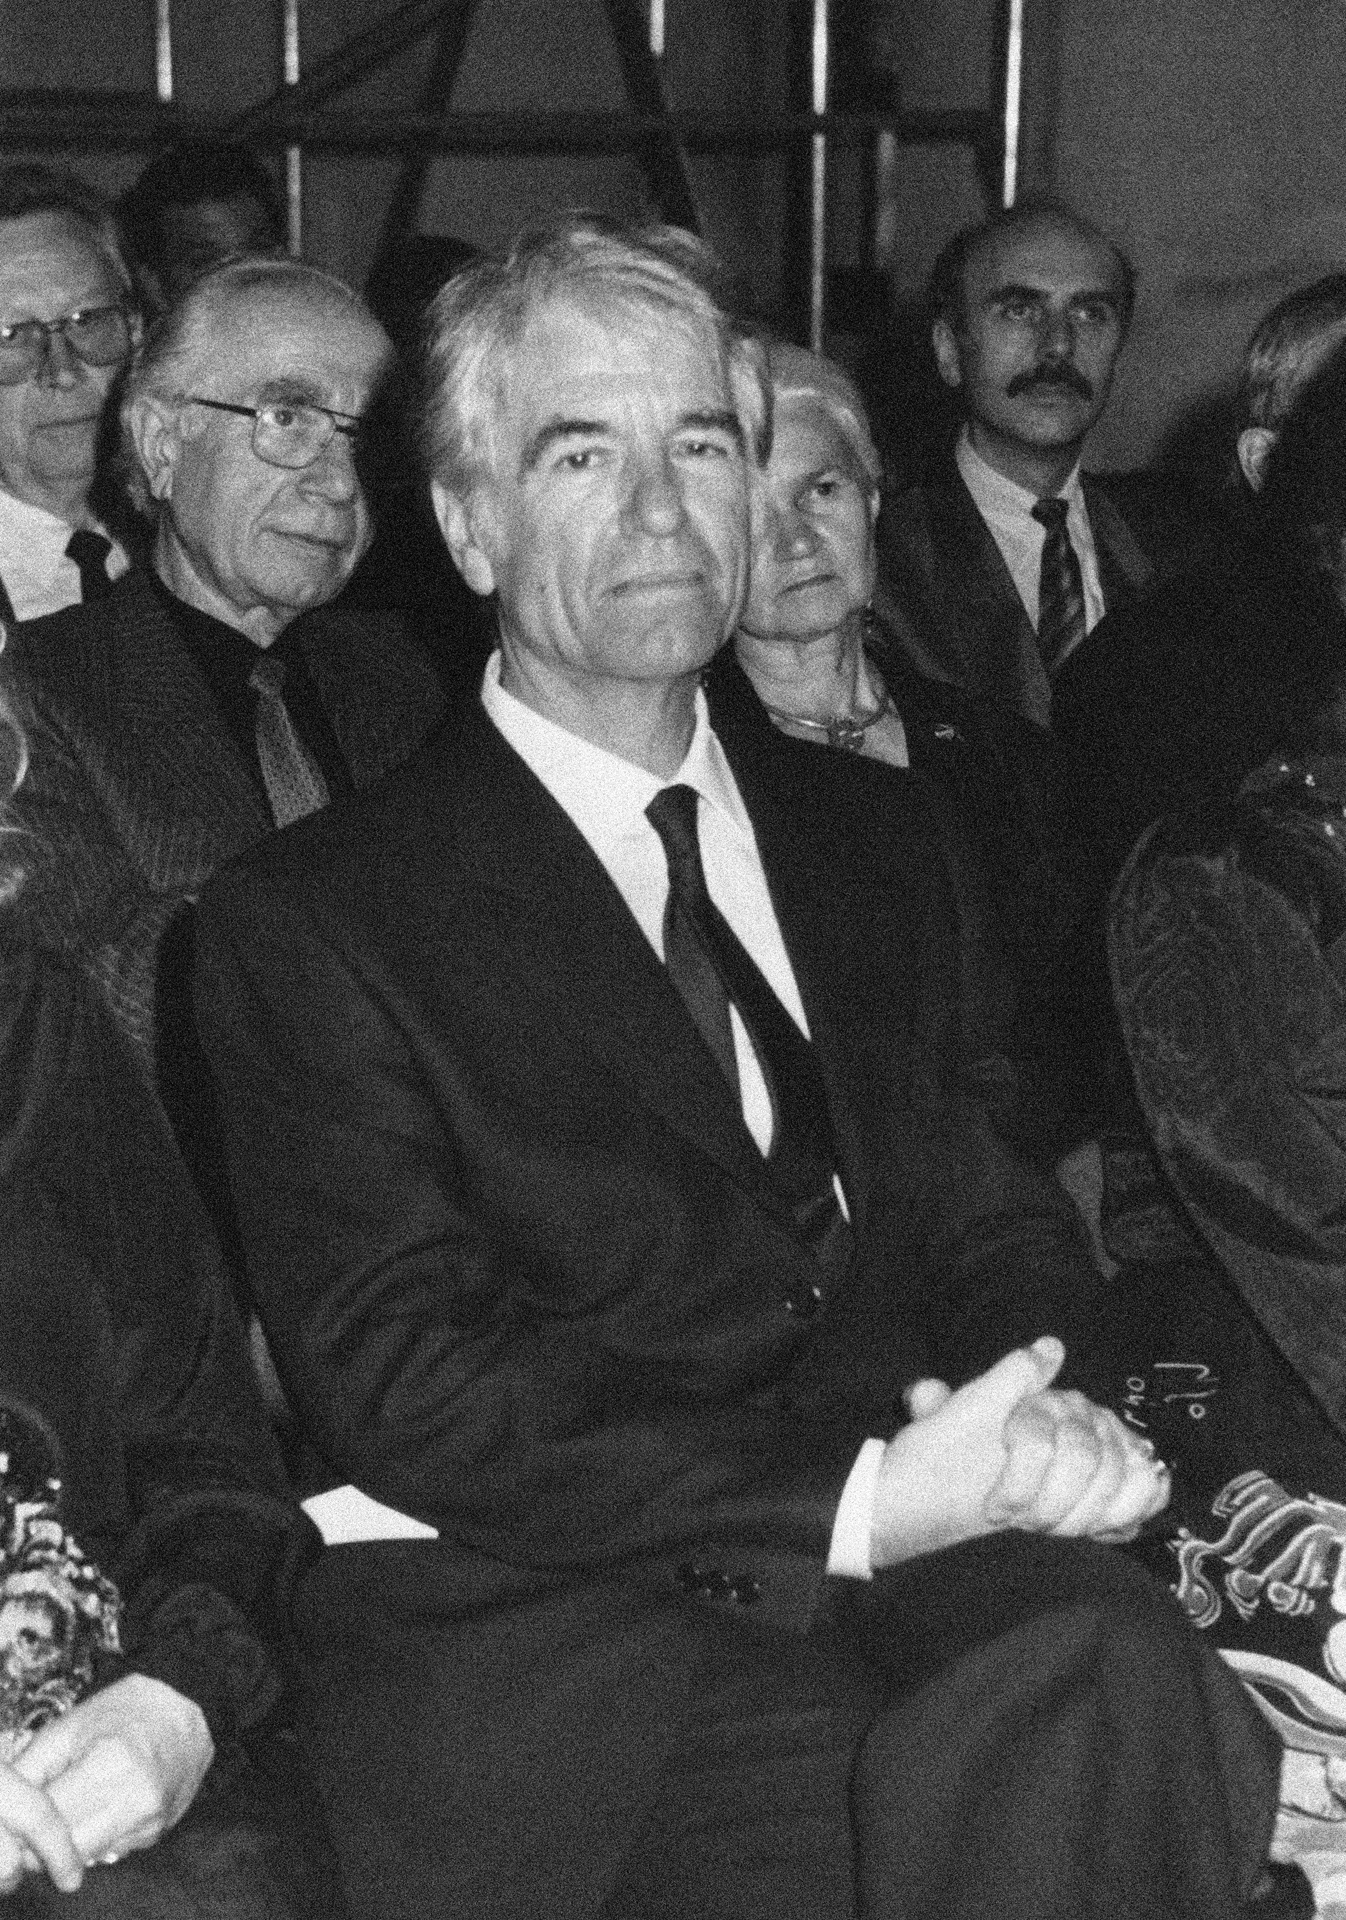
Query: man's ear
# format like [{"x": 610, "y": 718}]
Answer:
[
  {"x": 947, "y": 357},
  {"x": 457, "y": 519},
  {"x": 1254, "y": 450},
  {"x": 157, "y": 439}
]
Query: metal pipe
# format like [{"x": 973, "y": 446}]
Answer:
[
  {"x": 163, "y": 50},
  {"x": 123, "y": 122},
  {"x": 294, "y": 156},
  {"x": 1014, "y": 64},
  {"x": 818, "y": 205},
  {"x": 657, "y": 28}
]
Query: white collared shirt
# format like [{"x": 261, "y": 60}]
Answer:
[
  {"x": 606, "y": 797},
  {"x": 1007, "y": 510},
  {"x": 39, "y": 576}
]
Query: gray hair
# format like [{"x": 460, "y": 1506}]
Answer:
[
  {"x": 164, "y": 367},
  {"x": 644, "y": 273},
  {"x": 29, "y": 188},
  {"x": 797, "y": 374}
]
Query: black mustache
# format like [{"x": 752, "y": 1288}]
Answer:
[{"x": 1059, "y": 373}]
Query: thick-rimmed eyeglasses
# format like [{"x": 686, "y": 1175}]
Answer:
[
  {"x": 288, "y": 433},
  {"x": 99, "y": 336}
]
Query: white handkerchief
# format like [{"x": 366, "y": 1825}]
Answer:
[{"x": 344, "y": 1515}]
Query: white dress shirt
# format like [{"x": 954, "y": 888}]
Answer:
[
  {"x": 38, "y": 574},
  {"x": 1007, "y": 510},
  {"x": 606, "y": 797}
]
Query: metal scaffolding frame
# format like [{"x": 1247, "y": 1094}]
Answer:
[{"x": 301, "y": 116}]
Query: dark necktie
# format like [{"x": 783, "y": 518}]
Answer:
[
  {"x": 711, "y": 969},
  {"x": 294, "y": 784},
  {"x": 1060, "y": 588},
  {"x": 89, "y": 551}
]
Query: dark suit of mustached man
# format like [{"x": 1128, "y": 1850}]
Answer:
[{"x": 593, "y": 1111}]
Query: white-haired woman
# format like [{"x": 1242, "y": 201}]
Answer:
[
  {"x": 146, "y": 1531},
  {"x": 830, "y": 671}
]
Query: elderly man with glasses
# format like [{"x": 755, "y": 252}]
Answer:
[
  {"x": 67, "y": 327},
  {"x": 213, "y": 696}
]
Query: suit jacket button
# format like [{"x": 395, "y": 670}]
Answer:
[
  {"x": 744, "y": 1590},
  {"x": 716, "y": 1585},
  {"x": 689, "y": 1577}
]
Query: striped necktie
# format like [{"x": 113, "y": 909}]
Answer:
[
  {"x": 1060, "y": 587},
  {"x": 293, "y": 781}
]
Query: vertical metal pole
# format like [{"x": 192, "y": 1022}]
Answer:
[
  {"x": 818, "y": 209},
  {"x": 163, "y": 51},
  {"x": 657, "y": 26},
  {"x": 294, "y": 160},
  {"x": 1014, "y": 62}
]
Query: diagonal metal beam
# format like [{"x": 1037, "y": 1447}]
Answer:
[
  {"x": 354, "y": 60},
  {"x": 400, "y": 218},
  {"x": 661, "y": 155}
]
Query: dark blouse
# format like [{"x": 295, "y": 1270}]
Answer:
[{"x": 120, "y": 1335}]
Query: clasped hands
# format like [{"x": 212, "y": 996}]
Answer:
[
  {"x": 111, "y": 1775},
  {"x": 1007, "y": 1450}
]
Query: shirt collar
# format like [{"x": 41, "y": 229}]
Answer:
[
  {"x": 998, "y": 498},
  {"x": 603, "y": 794}
]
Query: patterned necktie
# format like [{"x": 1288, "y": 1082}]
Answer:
[
  {"x": 89, "y": 551},
  {"x": 1060, "y": 589},
  {"x": 711, "y": 969},
  {"x": 294, "y": 785}
]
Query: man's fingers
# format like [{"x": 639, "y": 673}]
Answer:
[
  {"x": 32, "y": 1823},
  {"x": 1015, "y": 1378},
  {"x": 924, "y": 1397}
]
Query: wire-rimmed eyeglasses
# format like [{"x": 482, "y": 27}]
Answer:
[
  {"x": 99, "y": 336},
  {"x": 288, "y": 433}
]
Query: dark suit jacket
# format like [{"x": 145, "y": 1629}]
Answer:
[
  {"x": 136, "y": 792},
  {"x": 940, "y": 568},
  {"x": 527, "y": 1278}
]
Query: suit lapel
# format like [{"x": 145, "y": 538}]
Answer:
[
  {"x": 184, "y": 784},
  {"x": 999, "y": 646},
  {"x": 572, "y": 939},
  {"x": 1124, "y": 570}
]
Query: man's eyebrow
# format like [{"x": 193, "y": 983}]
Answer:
[
  {"x": 292, "y": 388},
  {"x": 718, "y": 420},
  {"x": 549, "y": 434},
  {"x": 1013, "y": 290}
]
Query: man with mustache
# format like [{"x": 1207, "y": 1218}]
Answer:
[
  {"x": 1000, "y": 583},
  {"x": 211, "y": 697}
]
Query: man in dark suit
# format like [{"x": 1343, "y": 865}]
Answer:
[
  {"x": 209, "y": 699},
  {"x": 1008, "y": 556},
  {"x": 68, "y": 322},
  {"x": 596, "y": 1116}
]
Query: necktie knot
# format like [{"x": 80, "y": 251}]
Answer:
[
  {"x": 1051, "y": 513},
  {"x": 89, "y": 551},
  {"x": 268, "y": 676},
  {"x": 672, "y": 814}
]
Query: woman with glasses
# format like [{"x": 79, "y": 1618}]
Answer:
[{"x": 147, "y": 1536}]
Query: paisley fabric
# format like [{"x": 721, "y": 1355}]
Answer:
[{"x": 1228, "y": 952}]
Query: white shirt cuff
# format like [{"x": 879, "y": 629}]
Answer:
[{"x": 848, "y": 1555}]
